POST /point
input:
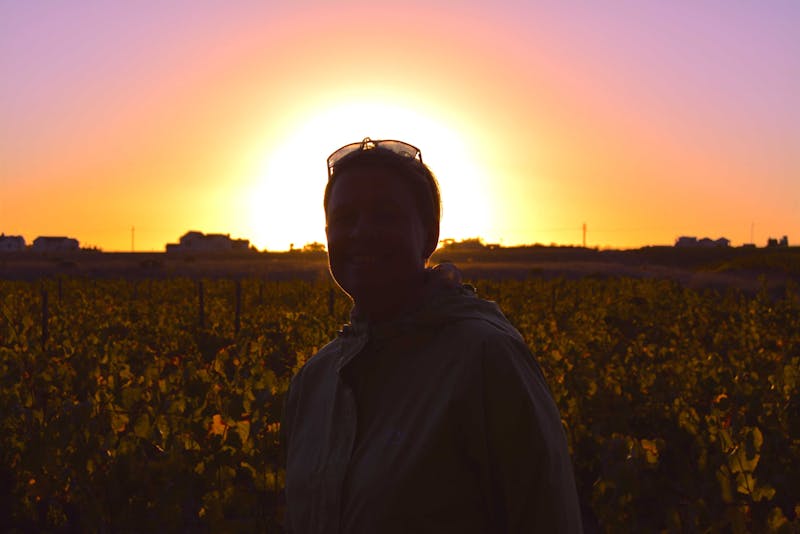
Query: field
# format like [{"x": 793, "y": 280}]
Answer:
[{"x": 153, "y": 403}]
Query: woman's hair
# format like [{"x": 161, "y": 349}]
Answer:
[{"x": 411, "y": 171}]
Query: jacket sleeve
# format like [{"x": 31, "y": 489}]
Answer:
[
  {"x": 287, "y": 419},
  {"x": 530, "y": 475}
]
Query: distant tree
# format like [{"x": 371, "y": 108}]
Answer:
[
  {"x": 465, "y": 244},
  {"x": 314, "y": 247}
]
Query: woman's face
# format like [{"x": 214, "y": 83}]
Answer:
[{"x": 377, "y": 243}]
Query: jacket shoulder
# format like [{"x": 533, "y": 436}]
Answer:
[
  {"x": 484, "y": 325},
  {"x": 324, "y": 358}
]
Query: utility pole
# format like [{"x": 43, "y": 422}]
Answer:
[
  {"x": 584, "y": 235},
  {"x": 752, "y": 226}
]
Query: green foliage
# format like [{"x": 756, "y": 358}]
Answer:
[
  {"x": 134, "y": 418},
  {"x": 682, "y": 408}
]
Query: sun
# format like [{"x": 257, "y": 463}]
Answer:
[{"x": 286, "y": 195}]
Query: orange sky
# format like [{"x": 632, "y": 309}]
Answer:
[{"x": 645, "y": 122}]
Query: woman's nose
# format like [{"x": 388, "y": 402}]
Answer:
[{"x": 364, "y": 227}]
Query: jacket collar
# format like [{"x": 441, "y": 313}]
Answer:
[{"x": 443, "y": 281}]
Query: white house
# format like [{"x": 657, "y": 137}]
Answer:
[
  {"x": 11, "y": 243},
  {"x": 687, "y": 241},
  {"x": 782, "y": 242},
  {"x": 200, "y": 242},
  {"x": 55, "y": 244}
]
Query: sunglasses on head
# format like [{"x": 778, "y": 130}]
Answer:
[{"x": 397, "y": 147}]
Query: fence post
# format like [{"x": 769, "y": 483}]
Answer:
[
  {"x": 200, "y": 304},
  {"x": 237, "y": 321},
  {"x": 44, "y": 317}
]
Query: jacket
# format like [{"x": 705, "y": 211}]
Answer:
[{"x": 440, "y": 421}]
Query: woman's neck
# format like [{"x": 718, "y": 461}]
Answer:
[{"x": 393, "y": 302}]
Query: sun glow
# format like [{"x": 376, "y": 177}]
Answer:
[{"x": 286, "y": 196}]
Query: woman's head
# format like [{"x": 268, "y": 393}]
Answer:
[
  {"x": 382, "y": 220},
  {"x": 404, "y": 165}
]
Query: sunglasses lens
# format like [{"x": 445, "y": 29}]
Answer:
[
  {"x": 341, "y": 153},
  {"x": 398, "y": 147}
]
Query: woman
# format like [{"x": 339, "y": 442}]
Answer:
[{"x": 428, "y": 412}]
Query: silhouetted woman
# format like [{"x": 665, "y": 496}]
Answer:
[{"x": 428, "y": 412}]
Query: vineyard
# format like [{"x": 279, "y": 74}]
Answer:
[{"x": 154, "y": 405}]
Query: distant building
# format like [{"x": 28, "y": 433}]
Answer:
[
  {"x": 200, "y": 242},
  {"x": 782, "y": 242},
  {"x": 688, "y": 241},
  {"x": 11, "y": 243},
  {"x": 55, "y": 244}
]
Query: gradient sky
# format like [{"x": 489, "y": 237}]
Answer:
[{"x": 646, "y": 120}]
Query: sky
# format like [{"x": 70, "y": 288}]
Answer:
[{"x": 127, "y": 124}]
